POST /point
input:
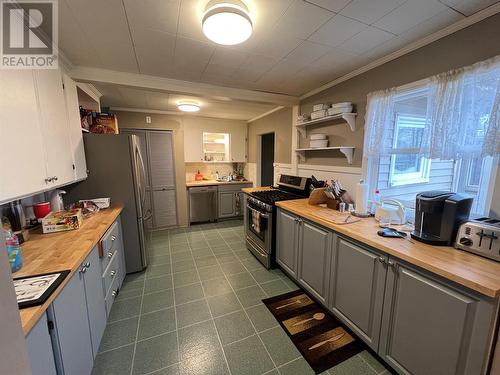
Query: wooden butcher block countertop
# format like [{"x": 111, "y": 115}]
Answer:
[
  {"x": 469, "y": 270},
  {"x": 215, "y": 183},
  {"x": 254, "y": 189},
  {"x": 54, "y": 252}
]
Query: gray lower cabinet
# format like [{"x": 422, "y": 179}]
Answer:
[
  {"x": 94, "y": 297},
  {"x": 421, "y": 324},
  {"x": 227, "y": 204},
  {"x": 429, "y": 327},
  {"x": 314, "y": 259},
  {"x": 287, "y": 233},
  {"x": 357, "y": 288},
  {"x": 71, "y": 334},
  {"x": 40, "y": 350}
]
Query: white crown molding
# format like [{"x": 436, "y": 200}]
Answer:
[
  {"x": 89, "y": 74},
  {"x": 265, "y": 114},
  {"x": 453, "y": 28}
]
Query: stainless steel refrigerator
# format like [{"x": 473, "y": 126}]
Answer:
[{"x": 116, "y": 169}]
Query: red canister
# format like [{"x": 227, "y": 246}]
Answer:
[{"x": 41, "y": 209}]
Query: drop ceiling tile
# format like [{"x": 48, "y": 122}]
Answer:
[
  {"x": 366, "y": 40},
  {"x": 369, "y": 11},
  {"x": 118, "y": 56},
  {"x": 301, "y": 20},
  {"x": 190, "y": 16},
  {"x": 431, "y": 25},
  {"x": 192, "y": 56},
  {"x": 409, "y": 15},
  {"x": 155, "y": 51},
  {"x": 337, "y": 57},
  {"x": 337, "y": 30},
  {"x": 133, "y": 97},
  {"x": 307, "y": 52},
  {"x": 254, "y": 67},
  {"x": 469, "y": 7},
  {"x": 333, "y": 5},
  {"x": 161, "y": 15},
  {"x": 277, "y": 46}
]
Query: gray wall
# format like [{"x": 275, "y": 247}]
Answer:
[
  {"x": 279, "y": 122},
  {"x": 465, "y": 47}
]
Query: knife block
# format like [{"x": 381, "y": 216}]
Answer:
[
  {"x": 332, "y": 203},
  {"x": 317, "y": 196}
]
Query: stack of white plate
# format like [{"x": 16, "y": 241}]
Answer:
[
  {"x": 318, "y": 140},
  {"x": 337, "y": 108}
]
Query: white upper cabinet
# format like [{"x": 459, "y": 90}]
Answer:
[
  {"x": 75, "y": 129},
  {"x": 41, "y": 143},
  {"x": 55, "y": 126},
  {"x": 23, "y": 169},
  {"x": 197, "y": 151},
  {"x": 238, "y": 144}
]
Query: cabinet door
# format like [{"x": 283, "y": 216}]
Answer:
[
  {"x": 95, "y": 299},
  {"x": 237, "y": 144},
  {"x": 72, "y": 333},
  {"x": 430, "y": 327},
  {"x": 286, "y": 242},
  {"x": 21, "y": 141},
  {"x": 75, "y": 129},
  {"x": 39, "y": 348},
  {"x": 357, "y": 288},
  {"x": 193, "y": 144},
  {"x": 227, "y": 204},
  {"x": 314, "y": 252},
  {"x": 54, "y": 126},
  {"x": 164, "y": 208}
]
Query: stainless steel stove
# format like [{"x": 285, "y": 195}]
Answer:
[{"x": 260, "y": 220}]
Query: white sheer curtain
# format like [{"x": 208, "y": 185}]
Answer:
[{"x": 463, "y": 119}]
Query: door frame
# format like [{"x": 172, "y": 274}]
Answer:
[{"x": 258, "y": 158}]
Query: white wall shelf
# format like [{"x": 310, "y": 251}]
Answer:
[
  {"x": 350, "y": 118},
  {"x": 346, "y": 150}
]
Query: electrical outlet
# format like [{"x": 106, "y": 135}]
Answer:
[{"x": 148, "y": 119}]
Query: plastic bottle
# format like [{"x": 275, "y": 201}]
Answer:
[
  {"x": 377, "y": 199},
  {"x": 13, "y": 247}
]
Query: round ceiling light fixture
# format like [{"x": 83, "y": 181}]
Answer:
[
  {"x": 188, "y": 106},
  {"x": 227, "y": 22}
]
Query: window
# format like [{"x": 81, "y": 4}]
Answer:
[
  {"x": 402, "y": 172},
  {"x": 408, "y": 168}
]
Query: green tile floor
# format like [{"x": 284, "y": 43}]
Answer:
[{"x": 197, "y": 310}]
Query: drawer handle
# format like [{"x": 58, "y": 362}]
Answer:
[
  {"x": 113, "y": 273},
  {"x": 113, "y": 238},
  {"x": 83, "y": 269},
  {"x": 110, "y": 254},
  {"x": 382, "y": 260},
  {"x": 87, "y": 265},
  {"x": 114, "y": 292}
]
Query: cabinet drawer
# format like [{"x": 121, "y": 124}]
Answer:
[
  {"x": 112, "y": 293},
  {"x": 110, "y": 238},
  {"x": 112, "y": 271}
]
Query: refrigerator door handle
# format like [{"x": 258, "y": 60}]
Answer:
[{"x": 142, "y": 178}]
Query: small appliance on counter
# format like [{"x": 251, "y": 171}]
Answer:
[
  {"x": 480, "y": 236},
  {"x": 56, "y": 200},
  {"x": 390, "y": 211},
  {"x": 438, "y": 214}
]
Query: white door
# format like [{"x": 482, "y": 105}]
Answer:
[
  {"x": 23, "y": 168},
  {"x": 238, "y": 143},
  {"x": 75, "y": 129},
  {"x": 54, "y": 126}
]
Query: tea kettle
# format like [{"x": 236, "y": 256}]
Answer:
[
  {"x": 391, "y": 209},
  {"x": 56, "y": 200}
]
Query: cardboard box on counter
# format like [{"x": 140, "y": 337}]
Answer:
[{"x": 62, "y": 220}]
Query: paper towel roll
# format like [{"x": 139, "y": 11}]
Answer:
[{"x": 361, "y": 197}]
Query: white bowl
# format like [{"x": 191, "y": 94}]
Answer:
[
  {"x": 318, "y": 143},
  {"x": 315, "y": 137}
]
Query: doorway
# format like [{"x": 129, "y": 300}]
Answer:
[{"x": 267, "y": 159}]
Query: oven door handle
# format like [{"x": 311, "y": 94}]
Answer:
[{"x": 266, "y": 216}]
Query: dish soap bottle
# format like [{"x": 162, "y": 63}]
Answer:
[{"x": 198, "y": 176}]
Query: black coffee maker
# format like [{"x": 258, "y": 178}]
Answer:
[{"x": 438, "y": 214}]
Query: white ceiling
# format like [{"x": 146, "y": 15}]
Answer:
[
  {"x": 219, "y": 107},
  {"x": 296, "y": 45}
]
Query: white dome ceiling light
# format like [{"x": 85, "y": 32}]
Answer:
[
  {"x": 227, "y": 22},
  {"x": 188, "y": 106}
]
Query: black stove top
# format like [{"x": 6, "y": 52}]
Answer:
[{"x": 275, "y": 195}]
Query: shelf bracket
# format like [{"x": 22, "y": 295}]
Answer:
[
  {"x": 302, "y": 131},
  {"x": 350, "y": 118},
  {"x": 348, "y": 153},
  {"x": 301, "y": 155}
]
